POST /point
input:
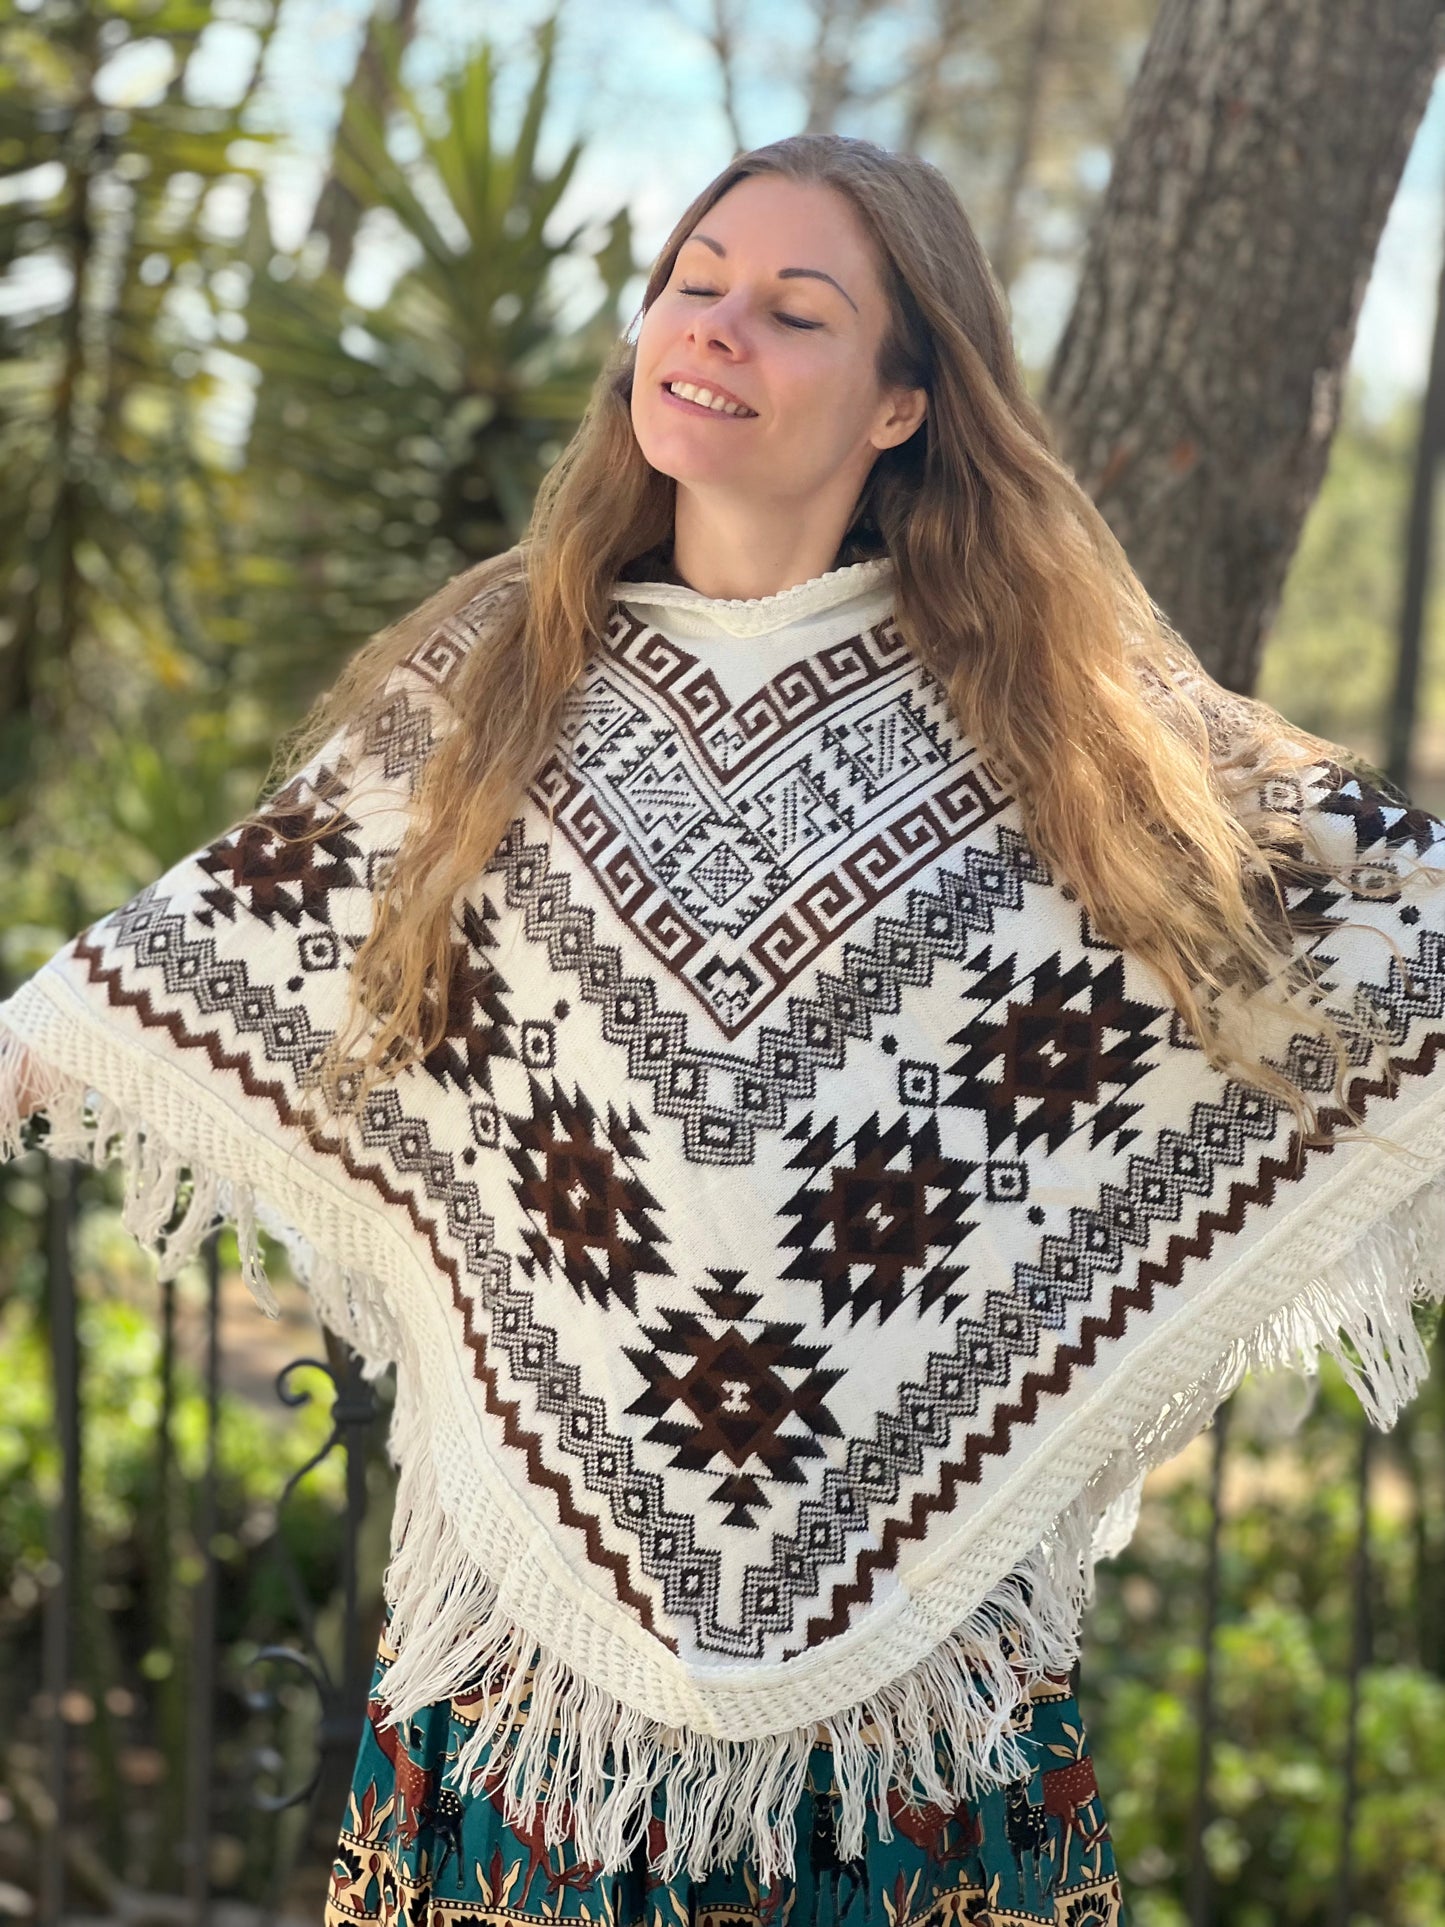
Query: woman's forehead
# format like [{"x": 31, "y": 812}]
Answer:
[{"x": 798, "y": 230}]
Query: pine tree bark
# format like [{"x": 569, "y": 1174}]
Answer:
[{"x": 1196, "y": 387}]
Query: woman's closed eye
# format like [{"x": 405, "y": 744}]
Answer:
[{"x": 791, "y": 320}]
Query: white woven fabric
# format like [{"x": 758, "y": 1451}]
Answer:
[{"x": 799, "y": 1249}]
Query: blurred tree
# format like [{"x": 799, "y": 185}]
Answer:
[
  {"x": 113, "y": 279},
  {"x": 1196, "y": 388},
  {"x": 391, "y": 446},
  {"x": 1017, "y": 105}
]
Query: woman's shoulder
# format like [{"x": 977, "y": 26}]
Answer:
[
  {"x": 378, "y": 725},
  {"x": 446, "y": 630}
]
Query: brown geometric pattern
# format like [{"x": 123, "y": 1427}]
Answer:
[
  {"x": 795, "y": 1152},
  {"x": 257, "y": 872},
  {"x": 730, "y": 738},
  {"x": 723, "y": 1395},
  {"x": 589, "y": 1209},
  {"x": 741, "y": 844},
  {"x": 478, "y": 1027},
  {"x": 880, "y": 1220},
  {"x": 1040, "y": 1067},
  {"x": 1377, "y": 817}
]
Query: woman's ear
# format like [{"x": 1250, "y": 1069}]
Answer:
[{"x": 907, "y": 408}]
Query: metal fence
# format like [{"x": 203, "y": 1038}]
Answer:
[{"x": 335, "y": 1671}]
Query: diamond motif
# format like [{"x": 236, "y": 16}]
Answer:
[
  {"x": 752, "y": 1399},
  {"x": 722, "y": 873},
  {"x": 867, "y": 1229}
]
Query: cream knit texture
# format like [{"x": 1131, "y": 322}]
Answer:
[{"x": 809, "y": 1231}]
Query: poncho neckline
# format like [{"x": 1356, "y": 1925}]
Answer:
[{"x": 753, "y": 618}]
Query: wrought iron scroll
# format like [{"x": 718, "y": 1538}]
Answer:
[{"x": 340, "y": 1688}]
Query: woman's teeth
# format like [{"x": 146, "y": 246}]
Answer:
[{"x": 705, "y": 398}]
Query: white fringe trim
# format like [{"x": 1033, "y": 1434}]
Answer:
[
  {"x": 723, "y": 1797},
  {"x": 1358, "y": 1310},
  {"x": 726, "y": 1797},
  {"x": 86, "y": 1125}
]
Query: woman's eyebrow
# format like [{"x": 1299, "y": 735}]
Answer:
[{"x": 784, "y": 274}]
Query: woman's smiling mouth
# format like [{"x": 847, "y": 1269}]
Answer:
[{"x": 701, "y": 400}]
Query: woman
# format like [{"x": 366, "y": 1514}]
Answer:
[{"x": 793, "y": 1012}]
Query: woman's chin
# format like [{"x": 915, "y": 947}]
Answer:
[
  {"x": 689, "y": 469},
  {"x": 691, "y": 452}
]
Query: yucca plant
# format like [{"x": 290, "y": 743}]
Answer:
[{"x": 393, "y": 445}]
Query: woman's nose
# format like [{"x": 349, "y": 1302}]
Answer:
[{"x": 723, "y": 326}]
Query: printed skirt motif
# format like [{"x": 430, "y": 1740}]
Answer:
[{"x": 412, "y": 1851}]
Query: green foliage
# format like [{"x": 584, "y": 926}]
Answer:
[
  {"x": 120, "y": 1340},
  {"x": 108, "y": 522},
  {"x": 1274, "y": 1841},
  {"x": 1282, "y": 1662},
  {"x": 392, "y": 446}
]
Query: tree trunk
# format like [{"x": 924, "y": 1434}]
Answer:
[
  {"x": 1042, "y": 39},
  {"x": 1196, "y": 387}
]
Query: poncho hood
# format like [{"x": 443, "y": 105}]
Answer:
[{"x": 808, "y": 1232}]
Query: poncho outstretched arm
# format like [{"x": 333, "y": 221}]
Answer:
[{"x": 173, "y": 1033}]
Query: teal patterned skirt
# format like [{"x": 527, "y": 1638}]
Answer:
[{"x": 412, "y": 1851}]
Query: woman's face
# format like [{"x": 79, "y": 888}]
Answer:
[{"x": 774, "y": 303}]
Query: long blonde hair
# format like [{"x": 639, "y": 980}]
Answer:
[{"x": 1127, "y": 759}]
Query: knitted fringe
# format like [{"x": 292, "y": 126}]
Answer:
[
  {"x": 86, "y": 1125},
  {"x": 1359, "y": 1310},
  {"x": 724, "y": 1797},
  {"x": 598, "y": 1761}
]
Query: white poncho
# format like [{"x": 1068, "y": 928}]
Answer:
[{"x": 809, "y": 1230}]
